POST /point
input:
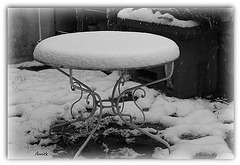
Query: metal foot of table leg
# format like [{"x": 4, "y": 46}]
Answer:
[{"x": 90, "y": 136}]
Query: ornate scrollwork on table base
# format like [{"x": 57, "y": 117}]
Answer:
[{"x": 116, "y": 104}]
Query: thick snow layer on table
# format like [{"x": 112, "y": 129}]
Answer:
[
  {"x": 39, "y": 99},
  {"x": 106, "y": 50},
  {"x": 147, "y": 15}
]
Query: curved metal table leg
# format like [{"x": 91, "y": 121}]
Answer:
[{"x": 132, "y": 90}]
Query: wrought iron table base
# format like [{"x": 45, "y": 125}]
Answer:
[{"x": 116, "y": 104}]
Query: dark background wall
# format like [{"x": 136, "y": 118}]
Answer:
[{"x": 23, "y": 31}]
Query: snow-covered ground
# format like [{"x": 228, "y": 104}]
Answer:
[{"x": 39, "y": 99}]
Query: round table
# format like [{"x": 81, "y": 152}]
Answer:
[{"x": 107, "y": 50}]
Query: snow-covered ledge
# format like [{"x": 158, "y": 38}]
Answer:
[{"x": 147, "y": 15}]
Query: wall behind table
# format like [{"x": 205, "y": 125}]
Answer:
[{"x": 23, "y": 31}]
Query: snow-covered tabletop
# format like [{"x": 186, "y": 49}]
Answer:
[{"x": 106, "y": 50}]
